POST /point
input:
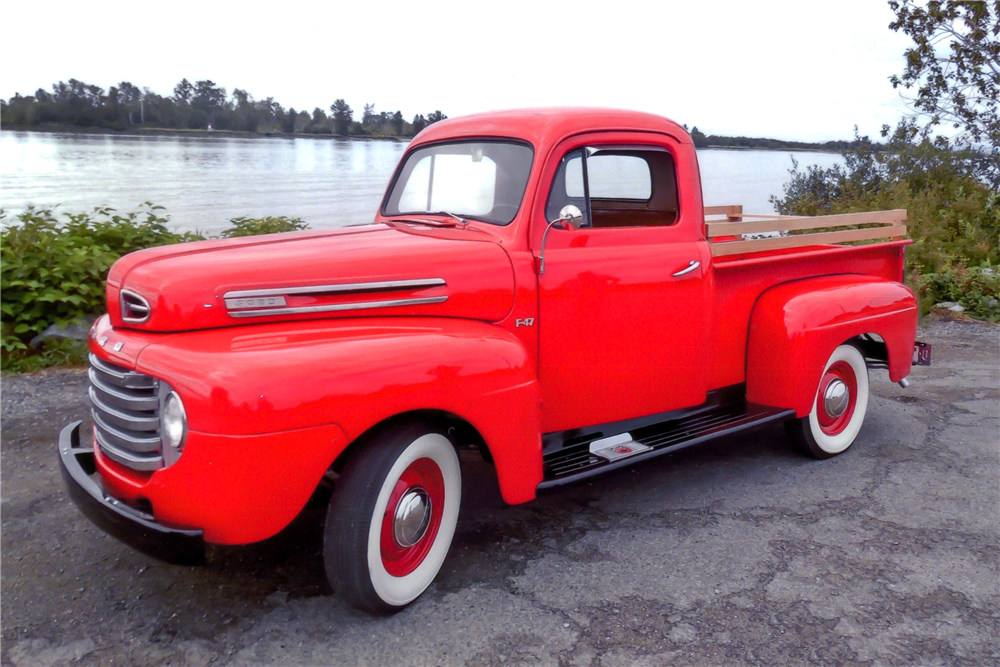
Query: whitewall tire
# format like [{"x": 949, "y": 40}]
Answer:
[
  {"x": 839, "y": 406},
  {"x": 392, "y": 518}
]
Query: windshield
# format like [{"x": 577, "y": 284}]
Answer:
[{"x": 481, "y": 180}]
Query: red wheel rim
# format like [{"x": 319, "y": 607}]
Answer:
[
  {"x": 423, "y": 478},
  {"x": 840, "y": 372}
]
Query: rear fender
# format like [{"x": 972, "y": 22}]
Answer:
[{"x": 796, "y": 326}]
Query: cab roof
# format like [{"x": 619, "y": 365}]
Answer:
[{"x": 547, "y": 126}]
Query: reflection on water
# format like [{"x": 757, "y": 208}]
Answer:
[{"x": 203, "y": 182}]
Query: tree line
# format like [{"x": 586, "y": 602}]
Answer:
[
  {"x": 200, "y": 105},
  {"x": 702, "y": 140}
]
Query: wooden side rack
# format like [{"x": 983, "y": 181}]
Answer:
[{"x": 726, "y": 227}]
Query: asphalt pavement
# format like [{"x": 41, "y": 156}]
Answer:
[{"x": 740, "y": 552}]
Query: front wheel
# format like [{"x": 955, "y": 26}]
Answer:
[
  {"x": 392, "y": 517},
  {"x": 838, "y": 409}
]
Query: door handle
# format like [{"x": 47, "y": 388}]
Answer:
[{"x": 692, "y": 265}]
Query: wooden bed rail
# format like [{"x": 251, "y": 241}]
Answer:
[{"x": 736, "y": 224}]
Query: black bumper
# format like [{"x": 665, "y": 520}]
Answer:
[{"x": 134, "y": 528}]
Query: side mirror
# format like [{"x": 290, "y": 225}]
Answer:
[{"x": 570, "y": 219}]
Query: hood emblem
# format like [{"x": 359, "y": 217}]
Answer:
[{"x": 255, "y": 302}]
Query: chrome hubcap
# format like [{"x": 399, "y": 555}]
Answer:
[
  {"x": 836, "y": 398},
  {"x": 413, "y": 514}
]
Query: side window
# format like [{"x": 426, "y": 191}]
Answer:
[
  {"x": 619, "y": 177},
  {"x": 617, "y": 187},
  {"x": 568, "y": 188}
]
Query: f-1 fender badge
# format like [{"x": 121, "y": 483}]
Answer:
[
  {"x": 526, "y": 322},
  {"x": 104, "y": 339},
  {"x": 118, "y": 346}
]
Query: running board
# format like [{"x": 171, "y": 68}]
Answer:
[{"x": 593, "y": 454}]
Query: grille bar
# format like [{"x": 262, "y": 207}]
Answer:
[
  {"x": 124, "y": 420},
  {"x": 121, "y": 377},
  {"x": 123, "y": 438},
  {"x": 126, "y": 416},
  {"x": 127, "y": 458},
  {"x": 123, "y": 398}
]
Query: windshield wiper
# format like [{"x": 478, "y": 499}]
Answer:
[
  {"x": 439, "y": 223},
  {"x": 429, "y": 223},
  {"x": 451, "y": 215}
]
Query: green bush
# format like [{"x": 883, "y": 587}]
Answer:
[
  {"x": 953, "y": 217},
  {"x": 245, "y": 226},
  {"x": 53, "y": 269},
  {"x": 976, "y": 289},
  {"x": 51, "y": 353}
]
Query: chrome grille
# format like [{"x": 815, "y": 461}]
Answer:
[{"x": 126, "y": 412}]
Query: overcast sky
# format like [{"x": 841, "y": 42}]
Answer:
[{"x": 793, "y": 70}]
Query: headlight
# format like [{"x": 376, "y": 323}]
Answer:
[{"x": 174, "y": 421}]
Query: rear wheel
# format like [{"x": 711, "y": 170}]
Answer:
[
  {"x": 392, "y": 517},
  {"x": 839, "y": 406}
]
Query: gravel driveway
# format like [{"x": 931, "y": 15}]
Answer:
[{"x": 739, "y": 552}]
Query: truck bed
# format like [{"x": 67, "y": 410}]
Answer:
[
  {"x": 743, "y": 268},
  {"x": 733, "y": 232}
]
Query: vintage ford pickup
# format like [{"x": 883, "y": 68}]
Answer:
[{"x": 544, "y": 286}]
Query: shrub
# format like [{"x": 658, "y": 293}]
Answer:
[
  {"x": 53, "y": 269},
  {"x": 976, "y": 289},
  {"x": 51, "y": 353},
  {"x": 244, "y": 226},
  {"x": 953, "y": 217}
]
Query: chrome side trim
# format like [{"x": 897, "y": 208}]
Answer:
[
  {"x": 337, "y": 289},
  {"x": 141, "y": 307},
  {"x": 336, "y": 307}
]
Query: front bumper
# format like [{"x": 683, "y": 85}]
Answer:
[{"x": 135, "y": 528}]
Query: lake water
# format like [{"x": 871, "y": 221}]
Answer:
[{"x": 205, "y": 181}]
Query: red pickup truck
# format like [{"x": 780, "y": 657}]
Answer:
[{"x": 544, "y": 286}]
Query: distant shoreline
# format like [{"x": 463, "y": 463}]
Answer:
[
  {"x": 829, "y": 151},
  {"x": 228, "y": 134},
  {"x": 211, "y": 134}
]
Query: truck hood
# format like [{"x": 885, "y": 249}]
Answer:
[{"x": 380, "y": 269}]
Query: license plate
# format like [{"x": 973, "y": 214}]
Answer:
[{"x": 921, "y": 354}]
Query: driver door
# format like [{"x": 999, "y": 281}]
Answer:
[{"x": 622, "y": 315}]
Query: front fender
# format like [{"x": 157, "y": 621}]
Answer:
[
  {"x": 794, "y": 328},
  {"x": 356, "y": 373}
]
